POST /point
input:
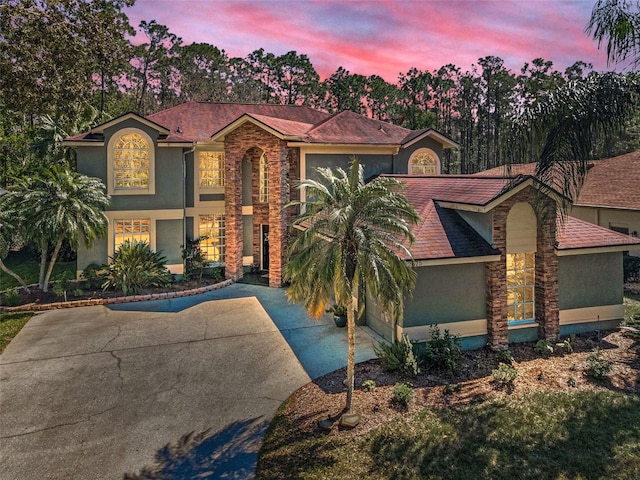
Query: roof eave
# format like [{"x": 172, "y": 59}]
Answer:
[
  {"x": 565, "y": 252},
  {"x": 446, "y": 141}
]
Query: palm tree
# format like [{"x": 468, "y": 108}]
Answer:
[
  {"x": 59, "y": 204},
  {"x": 354, "y": 236},
  {"x": 617, "y": 22},
  {"x": 8, "y": 226}
]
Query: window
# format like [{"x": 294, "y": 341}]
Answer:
[
  {"x": 521, "y": 276},
  {"x": 424, "y": 162},
  {"x": 211, "y": 169},
  {"x": 133, "y": 230},
  {"x": 264, "y": 179},
  {"x": 130, "y": 163},
  {"x": 212, "y": 242}
]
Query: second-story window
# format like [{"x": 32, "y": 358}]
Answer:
[
  {"x": 211, "y": 169},
  {"x": 264, "y": 179}
]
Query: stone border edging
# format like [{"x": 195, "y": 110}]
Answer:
[{"x": 33, "y": 307}]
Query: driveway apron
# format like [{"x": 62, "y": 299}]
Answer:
[{"x": 178, "y": 388}]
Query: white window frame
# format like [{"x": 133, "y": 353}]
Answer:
[
  {"x": 215, "y": 186},
  {"x": 263, "y": 179},
  {"x": 220, "y": 237},
  {"x": 134, "y": 224},
  {"x": 418, "y": 153},
  {"x": 111, "y": 184}
]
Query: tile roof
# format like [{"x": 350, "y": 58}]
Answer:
[
  {"x": 575, "y": 233},
  {"x": 613, "y": 182}
]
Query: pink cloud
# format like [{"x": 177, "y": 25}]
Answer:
[{"x": 385, "y": 37}]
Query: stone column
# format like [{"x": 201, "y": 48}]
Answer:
[{"x": 547, "y": 313}]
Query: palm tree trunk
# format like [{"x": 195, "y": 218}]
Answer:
[
  {"x": 43, "y": 262},
  {"x": 7, "y": 270},
  {"x": 351, "y": 343},
  {"x": 52, "y": 262}
]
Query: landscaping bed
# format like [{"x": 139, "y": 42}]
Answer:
[{"x": 394, "y": 441}]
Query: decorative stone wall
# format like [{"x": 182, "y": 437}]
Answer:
[
  {"x": 248, "y": 139},
  {"x": 546, "y": 289}
]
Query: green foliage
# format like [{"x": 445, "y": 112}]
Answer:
[
  {"x": 567, "y": 343},
  {"x": 194, "y": 259},
  {"x": 598, "y": 367},
  {"x": 442, "y": 352},
  {"x": 505, "y": 356},
  {"x": 631, "y": 268},
  {"x": 369, "y": 385},
  {"x": 403, "y": 393},
  {"x": 398, "y": 356},
  {"x": 94, "y": 276},
  {"x": 505, "y": 374},
  {"x": 544, "y": 348},
  {"x": 135, "y": 266},
  {"x": 10, "y": 297},
  {"x": 61, "y": 286},
  {"x": 572, "y": 382}
]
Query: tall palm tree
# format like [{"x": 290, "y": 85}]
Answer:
[
  {"x": 59, "y": 204},
  {"x": 354, "y": 235}
]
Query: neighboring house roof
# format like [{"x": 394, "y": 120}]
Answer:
[
  {"x": 574, "y": 233},
  {"x": 611, "y": 183},
  {"x": 443, "y": 234},
  {"x": 204, "y": 122}
]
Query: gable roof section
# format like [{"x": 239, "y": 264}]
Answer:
[
  {"x": 417, "y": 135},
  {"x": 281, "y": 128},
  {"x": 610, "y": 183},
  {"x": 443, "y": 234}
]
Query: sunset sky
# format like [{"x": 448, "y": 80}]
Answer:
[{"x": 386, "y": 37}]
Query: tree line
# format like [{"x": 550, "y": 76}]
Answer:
[{"x": 66, "y": 65}]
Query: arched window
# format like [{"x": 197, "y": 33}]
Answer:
[
  {"x": 131, "y": 163},
  {"x": 424, "y": 162},
  {"x": 264, "y": 179}
]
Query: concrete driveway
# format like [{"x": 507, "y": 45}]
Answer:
[{"x": 179, "y": 388}]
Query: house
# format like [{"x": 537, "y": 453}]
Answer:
[
  {"x": 225, "y": 171},
  {"x": 497, "y": 262},
  {"x": 494, "y": 263},
  {"x": 610, "y": 194}
]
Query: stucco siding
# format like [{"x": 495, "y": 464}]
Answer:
[
  {"x": 445, "y": 294},
  {"x": 590, "y": 280},
  {"x": 169, "y": 237},
  {"x": 373, "y": 164},
  {"x": 402, "y": 159},
  {"x": 610, "y": 217},
  {"x": 96, "y": 255}
]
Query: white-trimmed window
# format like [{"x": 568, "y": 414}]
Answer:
[
  {"x": 211, "y": 169},
  {"x": 211, "y": 230},
  {"x": 131, "y": 163},
  {"x": 424, "y": 162},
  {"x": 521, "y": 280},
  {"x": 264, "y": 180},
  {"x": 131, "y": 229}
]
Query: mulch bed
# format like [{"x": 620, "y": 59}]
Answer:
[{"x": 326, "y": 396}]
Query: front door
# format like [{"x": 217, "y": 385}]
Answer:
[{"x": 265, "y": 246}]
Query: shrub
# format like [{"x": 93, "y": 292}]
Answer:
[
  {"x": 442, "y": 352},
  {"x": 597, "y": 367},
  {"x": 398, "y": 356},
  {"x": 631, "y": 268},
  {"x": 571, "y": 382},
  {"x": 135, "y": 266},
  {"x": 11, "y": 297},
  {"x": 505, "y": 356},
  {"x": 568, "y": 343},
  {"x": 194, "y": 259},
  {"x": 94, "y": 276},
  {"x": 402, "y": 393},
  {"x": 544, "y": 348},
  {"x": 505, "y": 374},
  {"x": 369, "y": 385}
]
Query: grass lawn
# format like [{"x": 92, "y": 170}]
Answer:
[
  {"x": 544, "y": 435},
  {"x": 10, "y": 325},
  {"x": 29, "y": 268}
]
